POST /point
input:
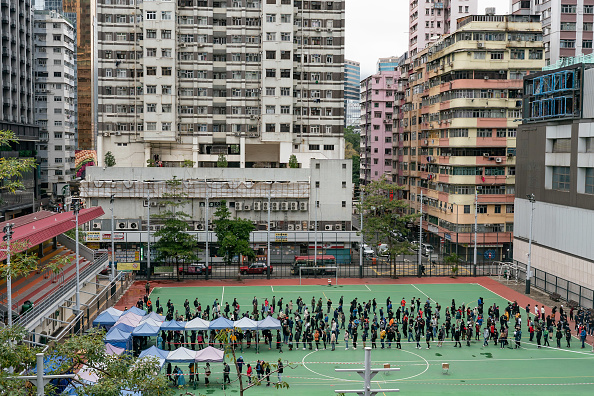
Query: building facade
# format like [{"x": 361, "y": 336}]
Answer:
[
  {"x": 456, "y": 137},
  {"x": 567, "y": 25},
  {"x": 387, "y": 64},
  {"x": 55, "y": 98},
  {"x": 318, "y": 193},
  {"x": 377, "y": 118},
  {"x": 430, "y": 19},
  {"x": 251, "y": 80},
  {"x": 352, "y": 96},
  {"x": 555, "y": 163},
  {"x": 16, "y": 100}
]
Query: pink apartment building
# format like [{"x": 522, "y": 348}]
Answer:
[
  {"x": 377, "y": 114},
  {"x": 430, "y": 19}
]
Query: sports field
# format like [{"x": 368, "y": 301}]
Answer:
[{"x": 473, "y": 370}]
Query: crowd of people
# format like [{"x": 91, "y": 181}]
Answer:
[{"x": 326, "y": 324}]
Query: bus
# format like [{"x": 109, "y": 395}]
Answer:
[{"x": 307, "y": 265}]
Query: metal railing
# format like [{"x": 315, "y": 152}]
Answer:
[
  {"x": 70, "y": 244},
  {"x": 59, "y": 296}
]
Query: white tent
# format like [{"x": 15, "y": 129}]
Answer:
[
  {"x": 130, "y": 319},
  {"x": 151, "y": 321},
  {"x": 197, "y": 324},
  {"x": 114, "y": 312},
  {"x": 246, "y": 323},
  {"x": 210, "y": 354},
  {"x": 182, "y": 355}
]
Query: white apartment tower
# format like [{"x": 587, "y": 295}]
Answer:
[
  {"x": 430, "y": 19},
  {"x": 181, "y": 82},
  {"x": 55, "y": 98}
]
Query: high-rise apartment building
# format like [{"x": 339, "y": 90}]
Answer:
[
  {"x": 387, "y": 64},
  {"x": 457, "y": 136},
  {"x": 16, "y": 98},
  {"x": 256, "y": 81},
  {"x": 567, "y": 25},
  {"x": 377, "y": 115},
  {"x": 430, "y": 19},
  {"x": 352, "y": 96},
  {"x": 55, "y": 98}
]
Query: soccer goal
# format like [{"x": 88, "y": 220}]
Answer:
[
  {"x": 320, "y": 272},
  {"x": 508, "y": 272}
]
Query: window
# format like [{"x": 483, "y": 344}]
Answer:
[
  {"x": 151, "y": 70},
  {"x": 561, "y": 178},
  {"x": 151, "y": 107},
  {"x": 285, "y": 109},
  {"x": 589, "y": 181},
  {"x": 151, "y": 33},
  {"x": 285, "y": 18},
  {"x": 270, "y": 54},
  {"x": 165, "y": 34},
  {"x": 586, "y": 43},
  {"x": 285, "y": 36},
  {"x": 270, "y": 36},
  {"x": 165, "y": 126},
  {"x": 166, "y": 89},
  {"x": 270, "y": 18},
  {"x": 496, "y": 55},
  {"x": 482, "y": 209},
  {"x": 166, "y": 71},
  {"x": 270, "y": 109},
  {"x": 151, "y": 126},
  {"x": 317, "y": 184},
  {"x": 329, "y": 147},
  {"x": 567, "y": 43},
  {"x": 270, "y": 127},
  {"x": 314, "y": 147},
  {"x": 166, "y": 53},
  {"x": 166, "y": 15},
  {"x": 517, "y": 53},
  {"x": 568, "y": 8},
  {"x": 344, "y": 204},
  {"x": 484, "y": 133},
  {"x": 344, "y": 184},
  {"x": 497, "y": 208},
  {"x": 151, "y": 52},
  {"x": 151, "y": 15},
  {"x": 270, "y": 72},
  {"x": 285, "y": 91},
  {"x": 509, "y": 208}
]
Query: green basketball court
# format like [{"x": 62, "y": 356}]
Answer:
[{"x": 473, "y": 370}]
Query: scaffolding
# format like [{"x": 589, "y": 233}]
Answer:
[
  {"x": 196, "y": 189},
  {"x": 554, "y": 95}
]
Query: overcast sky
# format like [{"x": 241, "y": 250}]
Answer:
[{"x": 379, "y": 28}]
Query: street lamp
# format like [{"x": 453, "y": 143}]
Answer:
[
  {"x": 268, "y": 239},
  {"x": 112, "y": 273},
  {"x": 7, "y": 238},
  {"x": 475, "y": 228},
  {"x": 148, "y": 231},
  {"x": 206, "y": 253},
  {"x": 529, "y": 268},
  {"x": 362, "y": 242},
  {"x": 76, "y": 209},
  {"x": 420, "y": 265}
]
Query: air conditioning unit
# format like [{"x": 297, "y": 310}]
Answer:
[
  {"x": 510, "y": 155},
  {"x": 328, "y": 227},
  {"x": 284, "y": 206},
  {"x": 154, "y": 203},
  {"x": 238, "y": 206},
  {"x": 485, "y": 154},
  {"x": 265, "y": 205},
  {"x": 501, "y": 71},
  {"x": 338, "y": 227},
  {"x": 303, "y": 206},
  {"x": 294, "y": 206},
  {"x": 253, "y": 117},
  {"x": 182, "y": 45},
  {"x": 297, "y": 227},
  {"x": 480, "y": 45},
  {"x": 247, "y": 207},
  {"x": 329, "y": 29},
  {"x": 290, "y": 227},
  {"x": 273, "y": 225},
  {"x": 257, "y": 205},
  {"x": 199, "y": 227},
  {"x": 96, "y": 226},
  {"x": 162, "y": 203},
  {"x": 488, "y": 225},
  {"x": 122, "y": 225},
  {"x": 133, "y": 225},
  {"x": 318, "y": 29},
  {"x": 498, "y": 160},
  {"x": 441, "y": 67},
  {"x": 118, "y": 133},
  {"x": 152, "y": 228},
  {"x": 274, "y": 206}
]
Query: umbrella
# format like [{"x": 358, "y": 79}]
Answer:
[
  {"x": 182, "y": 355},
  {"x": 210, "y": 354},
  {"x": 173, "y": 325},
  {"x": 246, "y": 323},
  {"x": 221, "y": 323},
  {"x": 269, "y": 323},
  {"x": 197, "y": 324}
]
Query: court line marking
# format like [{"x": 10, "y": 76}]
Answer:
[
  {"x": 272, "y": 287},
  {"x": 367, "y": 287},
  {"x": 422, "y": 292},
  {"x": 223, "y": 295}
]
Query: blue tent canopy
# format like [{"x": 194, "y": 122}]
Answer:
[
  {"x": 269, "y": 323},
  {"x": 119, "y": 338},
  {"x": 106, "y": 319},
  {"x": 154, "y": 351},
  {"x": 155, "y": 316},
  {"x": 146, "y": 330},
  {"x": 135, "y": 310},
  {"x": 220, "y": 323},
  {"x": 124, "y": 327},
  {"x": 173, "y": 325}
]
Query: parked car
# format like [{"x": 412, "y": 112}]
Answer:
[
  {"x": 255, "y": 268},
  {"x": 368, "y": 251},
  {"x": 426, "y": 249},
  {"x": 195, "y": 269},
  {"x": 382, "y": 250}
]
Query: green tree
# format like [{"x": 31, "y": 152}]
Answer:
[
  {"x": 109, "y": 159},
  {"x": 12, "y": 168},
  {"x": 222, "y": 161},
  {"x": 233, "y": 235},
  {"x": 385, "y": 216},
  {"x": 116, "y": 372},
  {"x": 175, "y": 246},
  {"x": 225, "y": 337},
  {"x": 293, "y": 161},
  {"x": 453, "y": 259},
  {"x": 356, "y": 171},
  {"x": 352, "y": 139}
]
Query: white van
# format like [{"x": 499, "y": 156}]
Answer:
[
  {"x": 426, "y": 249},
  {"x": 368, "y": 251}
]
